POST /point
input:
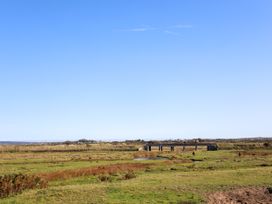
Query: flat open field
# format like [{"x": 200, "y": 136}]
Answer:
[{"x": 118, "y": 174}]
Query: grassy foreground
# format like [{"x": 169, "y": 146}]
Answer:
[{"x": 178, "y": 178}]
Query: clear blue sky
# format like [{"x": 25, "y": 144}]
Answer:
[{"x": 149, "y": 69}]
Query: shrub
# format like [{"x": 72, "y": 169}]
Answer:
[
  {"x": 129, "y": 175},
  {"x": 105, "y": 178},
  {"x": 263, "y": 165},
  {"x": 148, "y": 169},
  {"x": 269, "y": 189},
  {"x": 16, "y": 183}
]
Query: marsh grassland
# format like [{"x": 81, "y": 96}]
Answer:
[{"x": 109, "y": 173}]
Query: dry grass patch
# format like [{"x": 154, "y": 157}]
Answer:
[{"x": 109, "y": 169}]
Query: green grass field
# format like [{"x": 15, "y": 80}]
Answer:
[{"x": 178, "y": 178}]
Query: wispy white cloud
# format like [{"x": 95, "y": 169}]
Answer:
[
  {"x": 182, "y": 26},
  {"x": 138, "y": 29},
  {"x": 170, "y": 32}
]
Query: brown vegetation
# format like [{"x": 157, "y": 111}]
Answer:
[
  {"x": 16, "y": 183},
  {"x": 254, "y": 153},
  {"x": 129, "y": 175},
  {"x": 110, "y": 177},
  {"x": 64, "y": 147},
  {"x": 109, "y": 169},
  {"x": 104, "y": 178},
  {"x": 248, "y": 195}
]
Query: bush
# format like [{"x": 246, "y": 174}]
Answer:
[
  {"x": 105, "y": 178},
  {"x": 16, "y": 183},
  {"x": 129, "y": 175},
  {"x": 269, "y": 189}
]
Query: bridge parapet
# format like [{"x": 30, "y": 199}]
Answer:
[{"x": 210, "y": 146}]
